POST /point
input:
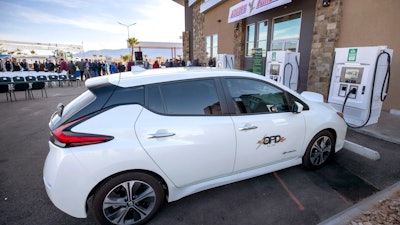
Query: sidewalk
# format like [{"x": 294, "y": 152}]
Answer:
[{"x": 388, "y": 129}]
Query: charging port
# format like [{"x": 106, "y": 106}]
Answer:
[
  {"x": 353, "y": 91},
  {"x": 342, "y": 90}
]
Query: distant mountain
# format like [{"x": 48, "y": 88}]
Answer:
[{"x": 116, "y": 53}]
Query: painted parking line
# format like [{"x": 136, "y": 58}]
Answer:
[{"x": 292, "y": 196}]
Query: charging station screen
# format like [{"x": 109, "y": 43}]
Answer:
[
  {"x": 351, "y": 75},
  {"x": 274, "y": 69}
]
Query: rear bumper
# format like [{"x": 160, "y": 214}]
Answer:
[{"x": 65, "y": 190}]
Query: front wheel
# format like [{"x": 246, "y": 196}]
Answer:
[
  {"x": 320, "y": 150},
  {"x": 129, "y": 199}
]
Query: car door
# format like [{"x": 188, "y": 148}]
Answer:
[
  {"x": 267, "y": 131},
  {"x": 185, "y": 132}
]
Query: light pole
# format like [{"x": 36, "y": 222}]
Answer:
[{"x": 127, "y": 26}]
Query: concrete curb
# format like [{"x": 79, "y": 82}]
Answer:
[
  {"x": 345, "y": 217},
  {"x": 361, "y": 150}
]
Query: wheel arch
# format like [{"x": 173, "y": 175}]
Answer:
[
  {"x": 148, "y": 172},
  {"x": 305, "y": 161}
]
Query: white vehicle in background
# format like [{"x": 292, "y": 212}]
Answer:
[{"x": 134, "y": 141}]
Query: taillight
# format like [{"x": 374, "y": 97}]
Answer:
[{"x": 66, "y": 138}]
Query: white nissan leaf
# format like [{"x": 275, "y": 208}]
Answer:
[{"x": 133, "y": 141}]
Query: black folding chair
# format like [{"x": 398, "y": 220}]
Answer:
[
  {"x": 72, "y": 78},
  {"x": 21, "y": 85},
  {"x": 35, "y": 85},
  {"x": 62, "y": 79},
  {"x": 41, "y": 81},
  {"x": 52, "y": 78},
  {"x": 5, "y": 86}
]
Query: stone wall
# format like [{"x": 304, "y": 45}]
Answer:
[
  {"x": 239, "y": 47},
  {"x": 325, "y": 36}
]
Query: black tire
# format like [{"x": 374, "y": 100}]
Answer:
[
  {"x": 320, "y": 150},
  {"x": 135, "y": 207}
]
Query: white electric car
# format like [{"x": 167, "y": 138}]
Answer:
[{"x": 135, "y": 140}]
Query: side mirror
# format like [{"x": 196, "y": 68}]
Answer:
[{"x": 297, "y": 107}]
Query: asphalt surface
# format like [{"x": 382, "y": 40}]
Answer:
[{"x": 290, "y": 196}]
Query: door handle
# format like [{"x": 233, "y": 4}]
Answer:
[
  {"x": 248, "y": 128},
  {"x": 161, "y": 135}
]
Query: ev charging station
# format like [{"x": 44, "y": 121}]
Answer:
[
  {"x": 360, "y": 82},
  {"x": 283, "y": 67},
  {"x": 225, "y": 61}
]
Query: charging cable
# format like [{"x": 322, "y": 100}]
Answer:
[{"x": 291, "y": 73}]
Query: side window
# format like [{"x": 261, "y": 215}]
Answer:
[
  {"x": 252, "y": 96},
  {"x": 195, "y": 97},
  {"x": 131, "y": 95},
  {"x": 154, "y": 99}
]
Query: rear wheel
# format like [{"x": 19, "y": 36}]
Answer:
[
  {"x": 320, "y": 150},
  {"x": 130, "y": 198}
]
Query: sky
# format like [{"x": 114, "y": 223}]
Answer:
[{"x": 91, "y": 22}]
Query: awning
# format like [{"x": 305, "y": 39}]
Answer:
[{"x": 248, "y": 8}]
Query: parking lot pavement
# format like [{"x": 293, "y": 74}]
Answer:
[{"x": 290, "y": 196}]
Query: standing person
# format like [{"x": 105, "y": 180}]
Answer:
[
  {"x": 63, "y": 66},
  {"x": 36, "y": 66},
  {"x": 113, "y": 68},
  {"x": 95, "y": 68},
  {"x": 46, "y": 65},
  {"x": 50, "y": 66},
  {"x": 121, "y": 68},
  {"x": 71, "y": 68},
  {"x": 106, "y": 68},
  {"x": 15, "y": 65},
  {"x": 166, "y": 64},
  {"x": 41, "y": 66},
  {"x": 87, "y": 69},
  {"x": 24, "y": 65},
  {"x": 156, "y": 65},
  {"x": 189, "y": 63},
  {"x": 8, "y": 65},
  {"x": 146, "y": 64},
  {"x": 1, "y": 66},
  {"x": 81, "y": 67},
  {"x": 129, "y": 65},
  {"x": 210, "y": 62}
]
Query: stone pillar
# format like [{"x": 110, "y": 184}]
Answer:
[
  {"x": 186, "y": 45},
  {"x": 325, "y": 36},
  {"x": 199, "y": 42},
  {"x": 239, "y": 35}
]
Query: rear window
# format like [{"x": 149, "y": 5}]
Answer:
[
  {"x": 73, "y": 108},
  {"x": 77, "y": 104}
]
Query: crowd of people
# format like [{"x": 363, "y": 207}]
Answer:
[{"x": 85, "y": 67}]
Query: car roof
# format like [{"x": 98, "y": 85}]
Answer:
[
  {"x": 152, "y": 76},
  {"x": 135, "y": 78}
]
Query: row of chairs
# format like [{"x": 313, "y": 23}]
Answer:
[{"x": 29, "y": 83}]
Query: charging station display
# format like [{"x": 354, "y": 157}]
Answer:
[
  {"x": 359, "y": 83},
  {"x": 283, "y": 67},
  {"x": 225, "y": 61}
]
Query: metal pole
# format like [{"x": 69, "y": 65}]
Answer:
[{"x": 127, "y": 26}]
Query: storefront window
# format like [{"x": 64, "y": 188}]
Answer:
[
  {"x": 250, "y": 33},
  {"x": 262, "y": 37},
  {"x": 208, "y": 46},
  {"x": 212, "y": 45},
  {"x": 286, "y": 32},
  {"x": 215, "y": 45}
]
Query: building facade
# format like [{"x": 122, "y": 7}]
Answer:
[{"x": 314, "y": 28}]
